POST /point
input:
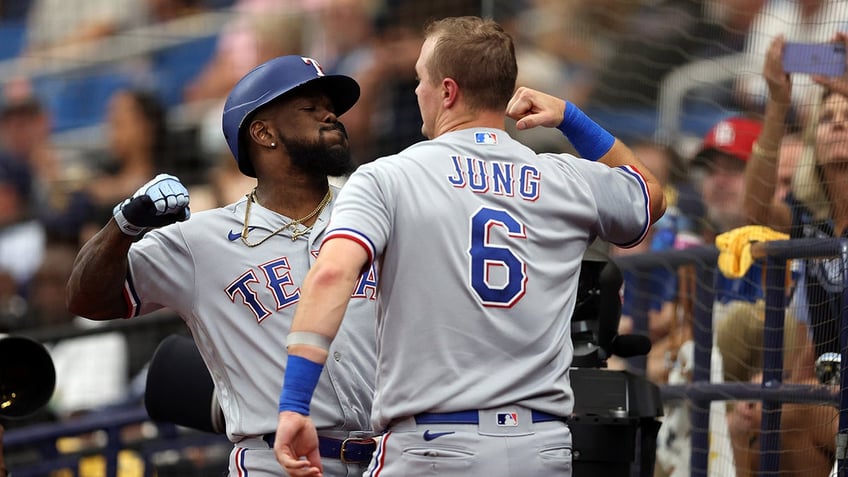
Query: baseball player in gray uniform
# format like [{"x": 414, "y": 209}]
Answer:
[
  {"x": 479, "y": 242},
  {"x": 235, "y": 273}
]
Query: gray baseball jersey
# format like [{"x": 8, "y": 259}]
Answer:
[
  {"x": 480, "y": 242},
  {"x": 239, "y": 302}
]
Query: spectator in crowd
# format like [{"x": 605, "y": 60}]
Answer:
[
  {"x": 386, "y": 119},
  {"x": 817, "y": 206},
  {"x": 85, "y": 381},
  {"x": 696, "y": 214},
  {"x": 807, "y": 431},
  {"x": 347, "y": 33},
  {"x": 807, "y": 21},
  {"x": 768, "y": 182},
  {"x": 58, "y": 24},
  {"x": 719, "y": 167},
  {"x": 137, "y": 146},
  {"x": 559, "y": 47},
  {"x": 224, "y": 182},
  {"x": 25, "y": 127},
  {"x": 739, "y": 340},
  {"x": 737, "y": 355},
  {"x": 656, "y": 39},
  {"x": 261, "y": 30},
  {"x": 165, "y": 10},
  {"x": 22, "y": 237},
  {"x": 25, "y": 138},
  {"x": 679, "y": 228}
]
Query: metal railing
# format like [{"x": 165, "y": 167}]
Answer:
[{"x": 42, "y": 439}]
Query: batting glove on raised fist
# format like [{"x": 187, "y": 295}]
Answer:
[{"x": 162, "y": 201}]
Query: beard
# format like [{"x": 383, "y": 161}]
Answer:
[
  {"x": 725, "y": 218},
  {"x": 319, "y": 157}
]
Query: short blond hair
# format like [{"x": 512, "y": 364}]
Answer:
[
  {"x": 479, "y": 55},
  {"x": 739, "y": 338}
]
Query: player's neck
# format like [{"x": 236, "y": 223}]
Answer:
[
  {"x": 470, "y": 120},
  {"x": 293, "y": 199}
]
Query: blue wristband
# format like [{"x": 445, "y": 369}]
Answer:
[
  {"x": 299, "y": 384},
  {"x": 589, "y": 139}
]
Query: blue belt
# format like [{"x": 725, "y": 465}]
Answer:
[
  {"x": 353, "y": 450},
  {"x": 471, "y": 417}
]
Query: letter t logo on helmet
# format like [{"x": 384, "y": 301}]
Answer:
[{"x": 315, "y": 64}]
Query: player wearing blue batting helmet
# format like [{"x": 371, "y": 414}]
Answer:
[{"x": 269, "y": 81}]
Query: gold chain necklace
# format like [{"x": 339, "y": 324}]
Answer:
[{"x": 293, "y": 224}]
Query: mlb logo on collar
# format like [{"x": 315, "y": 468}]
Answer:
[{"x": 485, "y": 137}]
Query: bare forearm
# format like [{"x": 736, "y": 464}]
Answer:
[
  {"x": 95, "y": 288},
  {"x": 761, "y": 171}
]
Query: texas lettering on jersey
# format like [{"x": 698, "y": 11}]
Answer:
[{"x": 275, "y": 275}]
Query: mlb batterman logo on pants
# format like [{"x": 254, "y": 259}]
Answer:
[{"x": 509, "y": 419}]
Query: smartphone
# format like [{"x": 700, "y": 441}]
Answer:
[{"x": 825, "y": 59}]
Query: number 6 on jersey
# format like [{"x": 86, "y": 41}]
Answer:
[{"x": 485, "y": 256}]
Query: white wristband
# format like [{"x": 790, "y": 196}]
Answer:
[{"x": 308, "y": 338}]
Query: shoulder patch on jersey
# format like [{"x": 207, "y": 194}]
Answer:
[{"x": 485, "y": 137}]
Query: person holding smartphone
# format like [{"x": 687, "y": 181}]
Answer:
[
  {"x": 817, "y": 206},
  {"x": 838, "y": 84}
]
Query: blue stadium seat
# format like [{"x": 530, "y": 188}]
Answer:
[
  {"x": 640, "y": 124},
  {"x": 81, "y": 99},
  {"x": 174, "y": 67},
  {"x": 12, "y": 38}
]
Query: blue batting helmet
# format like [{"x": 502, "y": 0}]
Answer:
[{"x": 268, "y": 82}]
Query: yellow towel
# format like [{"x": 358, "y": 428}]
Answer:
[{"x": 734, "y": 258}]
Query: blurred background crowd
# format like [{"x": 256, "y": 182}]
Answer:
[{"x": 98, "y": 96}]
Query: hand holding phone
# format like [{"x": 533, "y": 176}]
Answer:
[{"x": 824, "y": 59}]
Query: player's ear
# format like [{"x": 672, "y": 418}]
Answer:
[
  {"x": 260, "y": 134},
  {"x": 450, "y": 92}
]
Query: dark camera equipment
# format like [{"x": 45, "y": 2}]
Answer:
[
  {"x": 179, "y": 387},
  {"x": 616, "y": 412},
  {"x": 27, "y": 376}
]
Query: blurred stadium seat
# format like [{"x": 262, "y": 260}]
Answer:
[{"x": 12, "y": 34}]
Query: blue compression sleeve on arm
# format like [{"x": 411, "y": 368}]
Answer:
[
  {"x": 299, "y": 384},
  {"x": 589, "y": 139}
]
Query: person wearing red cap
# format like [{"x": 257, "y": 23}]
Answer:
[
  {"x": 721, "y": 164},
  {"x": 722, "y": 160}
]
